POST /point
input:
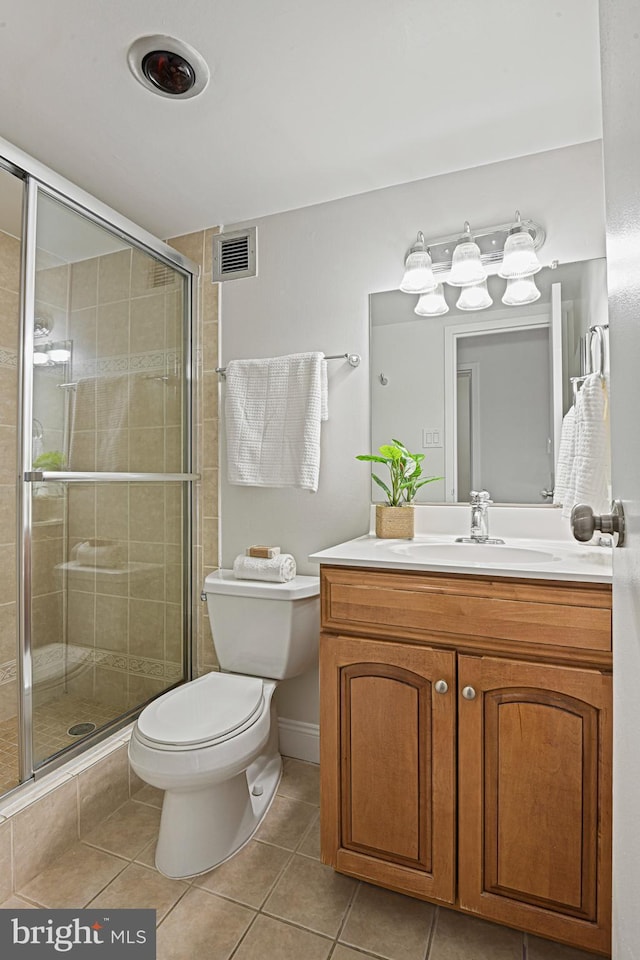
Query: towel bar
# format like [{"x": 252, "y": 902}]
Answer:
[{"x": 352, "y": 358}]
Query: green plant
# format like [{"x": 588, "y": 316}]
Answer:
[
  {"x": 405, "y": 470},
  {"x": 51, "y": 460}
]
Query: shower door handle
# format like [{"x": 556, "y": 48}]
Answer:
[{"x": 61, "y": 476}]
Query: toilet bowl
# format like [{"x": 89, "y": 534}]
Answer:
[{"x": 212, "y": 744}]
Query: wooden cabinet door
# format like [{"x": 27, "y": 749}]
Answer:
[
  {"x": 535, "y": 798},
  {"x": 387, "y": 742}
]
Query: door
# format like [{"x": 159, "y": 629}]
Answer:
[
  {"x": 388, "y": 755},
  {"x": 620, "y": 28},
  {"x": 106, "y": 495},
  {"x": 535, "y": 798}
]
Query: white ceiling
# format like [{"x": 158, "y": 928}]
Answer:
[{"x": 309, "y": 100}]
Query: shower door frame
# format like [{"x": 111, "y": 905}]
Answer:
[{"x": 39, "y": 180}]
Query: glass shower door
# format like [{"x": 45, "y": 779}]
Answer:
[{"x": 108, "y": 369}]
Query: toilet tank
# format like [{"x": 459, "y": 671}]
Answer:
[{"x": 261, "y": 628}]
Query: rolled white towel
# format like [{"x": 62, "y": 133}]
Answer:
[{"x": 279, "y": 569}]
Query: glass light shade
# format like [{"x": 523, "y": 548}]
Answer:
[
  {"x": 59, "y": 355},
  {"x": 418, "y": 275},
  {"x": 432, "y": 304},
  {"x": 519, "y": 258},
  {"x": 40, "y": 358},
  {"x": 466, "y": 265},
  {"x": 521, "y": 291},
  {"x": 474, "y": 298}
]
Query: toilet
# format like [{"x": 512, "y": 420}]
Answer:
[{"x": 212, "y": 744}]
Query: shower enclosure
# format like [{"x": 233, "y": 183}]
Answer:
[{"x": 95, "y": 435}]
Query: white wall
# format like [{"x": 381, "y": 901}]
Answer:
[
  {"x": 596, "y": 308},
  {"x": 317, "y": 267}
]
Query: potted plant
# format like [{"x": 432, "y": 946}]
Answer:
[{"x": 395, "y": 519}]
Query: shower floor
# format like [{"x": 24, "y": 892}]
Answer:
[{"x": 50, "y": 724}]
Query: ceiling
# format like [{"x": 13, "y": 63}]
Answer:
[{"x": 308, "y": 101}]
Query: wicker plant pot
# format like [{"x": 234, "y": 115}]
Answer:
[{"x": 394, "y": 523}]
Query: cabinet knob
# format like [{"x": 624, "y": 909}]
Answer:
[
  {"x": 441, "y": 686},
  {"x": 468, "y": 693}
]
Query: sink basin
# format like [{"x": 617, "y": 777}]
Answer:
[{"x": 471, "y": 553}]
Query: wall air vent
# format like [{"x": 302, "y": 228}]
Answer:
[{"x": 235, "y": 255}]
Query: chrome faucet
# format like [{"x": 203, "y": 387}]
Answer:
[
  {"x": 480, "y": 514},
  {"x": 480, "y": 501}
]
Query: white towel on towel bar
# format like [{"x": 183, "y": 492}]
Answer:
[
  {"x": 566, "y": 456},
  {"x": 273, "y": 411},
  {"x": 590, "y": 480}
]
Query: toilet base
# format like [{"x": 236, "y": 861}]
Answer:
[{"x": 200, "y": 829}]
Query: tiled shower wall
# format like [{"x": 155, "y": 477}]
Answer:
[
  {"x": 48, "y": 531},
  {"x": 9, "y": 324},
  {"x": 198, "y": 247},
  {"x": 125, "y": 317}
]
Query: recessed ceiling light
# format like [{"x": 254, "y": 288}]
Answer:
[{"x": 168, "y": 67}]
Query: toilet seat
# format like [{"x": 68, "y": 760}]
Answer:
[{"x": 211, "y": 709}]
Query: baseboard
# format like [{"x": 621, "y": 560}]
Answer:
[{"x": 299, "y": 740}]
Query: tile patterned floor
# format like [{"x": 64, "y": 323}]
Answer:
[
  {"x": 272, "y": 901},
  {"x": 51, "y": 721}
]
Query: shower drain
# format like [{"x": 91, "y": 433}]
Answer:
[{"x": 81, "y": 729}]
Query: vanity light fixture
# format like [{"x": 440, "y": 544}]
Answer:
[
  {"x": 432, "y": 304},
  {"x": 466, "y": 266},
  {"x": 475, "y": 297},
  {"x": 418, "y": 274},
  {"x": 508, "y": 250},
  {"x": 519, "y": 258},
  {"x": 520, "y": 291}
]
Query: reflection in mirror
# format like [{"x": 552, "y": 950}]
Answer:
[{"x": 483, "y": 393}]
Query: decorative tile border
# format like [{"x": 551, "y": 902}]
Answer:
[
  {"x": 8, "y": 358},
  {"x": 152, "y": 360},
  {"x": 165, "y": 361},
  {"x": 8, "y": 672},
  {"x": 56, "y": 659}
]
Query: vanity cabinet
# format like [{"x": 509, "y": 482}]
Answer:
[{"x": 466, "y": 744}]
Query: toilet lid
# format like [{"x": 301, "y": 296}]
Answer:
[{"x": 204, "y": 710}]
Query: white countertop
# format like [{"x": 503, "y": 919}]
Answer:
[{"x": 524, "y": 558}]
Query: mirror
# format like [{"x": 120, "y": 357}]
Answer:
[{"x": 482, "y": 393}]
